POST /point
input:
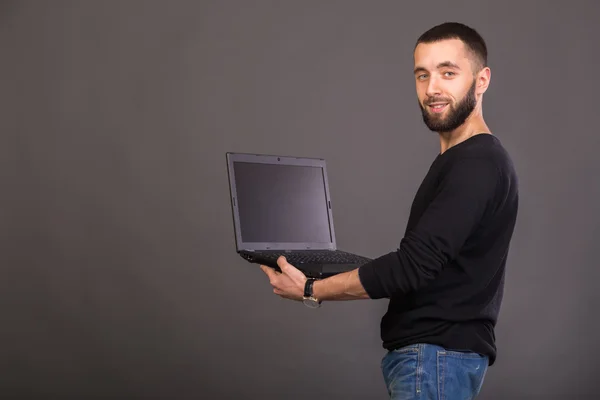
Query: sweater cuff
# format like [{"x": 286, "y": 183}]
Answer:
[{"x": 370, "y": 281}]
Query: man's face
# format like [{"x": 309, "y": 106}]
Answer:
[{"x": 446, "y": 86}]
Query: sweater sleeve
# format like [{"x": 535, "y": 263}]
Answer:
[{"x": 463, "y": 195}]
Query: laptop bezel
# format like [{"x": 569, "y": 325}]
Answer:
[{"x": 233, "y": 157}]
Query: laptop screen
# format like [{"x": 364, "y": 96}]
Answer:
[{"x": 281, "y": 203}]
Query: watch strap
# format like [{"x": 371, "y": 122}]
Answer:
[{"x": 308, "y": 287}]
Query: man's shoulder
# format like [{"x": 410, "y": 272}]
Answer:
[
  {"x": 485, "y": 165},
  {"x": 486, "y": 151}
]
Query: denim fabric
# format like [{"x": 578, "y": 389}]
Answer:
[{"x": 429, "y": 372}]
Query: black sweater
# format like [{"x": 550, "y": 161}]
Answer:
[{"x": 445, "y": 282}]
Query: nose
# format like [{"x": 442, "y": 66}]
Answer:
[{"x": 433, "y": 88}]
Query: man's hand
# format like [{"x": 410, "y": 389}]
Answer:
[{"x": 289, "y": 283}]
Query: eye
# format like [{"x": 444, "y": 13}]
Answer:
[
  {"x": 421, "y": 77},
  {"x": 449, "y": 73}
]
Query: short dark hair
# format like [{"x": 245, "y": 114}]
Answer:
[{"x": 455, "y": 30}]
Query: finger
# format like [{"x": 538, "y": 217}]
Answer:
[
  {"x": 289, "y": 269},
  {"x": 283, "y": 264},
  {"x": 282, "y": 294},
  {"x": 271, "y": 273}
]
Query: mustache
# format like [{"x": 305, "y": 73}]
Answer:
[{"x": 437, "y": 100}]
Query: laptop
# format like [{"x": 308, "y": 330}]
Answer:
[{"x": 281, "y": 206}]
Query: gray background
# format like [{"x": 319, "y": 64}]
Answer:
[{"x": 119, "y": 276}]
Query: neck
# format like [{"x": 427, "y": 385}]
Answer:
[{"x": 474, "y": 125}]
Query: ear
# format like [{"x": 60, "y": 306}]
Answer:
[{"x": 483, "y": 80}]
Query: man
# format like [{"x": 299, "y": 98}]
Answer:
[{"x": 445, "y": 281}]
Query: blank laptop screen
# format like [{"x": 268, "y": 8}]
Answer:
[{"x": 280, "y": 203}]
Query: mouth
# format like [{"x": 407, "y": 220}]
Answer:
[{"x": 437, "y": 107}]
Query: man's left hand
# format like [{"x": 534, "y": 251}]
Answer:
[{"x": 289, "y": 283}]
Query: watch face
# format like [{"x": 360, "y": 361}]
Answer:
[{"x": 310, "y": 302}]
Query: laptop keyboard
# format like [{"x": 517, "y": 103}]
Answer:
[{"x": 317, "y": 257}]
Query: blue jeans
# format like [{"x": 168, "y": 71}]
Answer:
[{"x": 429, "y": 372}]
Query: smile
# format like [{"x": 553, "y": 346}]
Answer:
[{"x": 438, "y": 107}]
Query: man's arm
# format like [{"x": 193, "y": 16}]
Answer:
[
  {"x": 465, "y": 194},
  {"x": 344, "y": 286},
  {"x": 463, "y": 197},
  {"x": 290, "y": 282}
]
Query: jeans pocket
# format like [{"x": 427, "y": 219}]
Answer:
[
  {"x": 401, "y": 372},
  {"x": 460, "y": 375}
]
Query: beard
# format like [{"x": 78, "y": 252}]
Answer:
[{"x": 457, "y": 114}]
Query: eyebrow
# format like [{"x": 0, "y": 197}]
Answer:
[{"x": 445, "y": 64}]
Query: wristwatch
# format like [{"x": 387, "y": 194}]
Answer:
[{"x": 309, "y": 299}]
